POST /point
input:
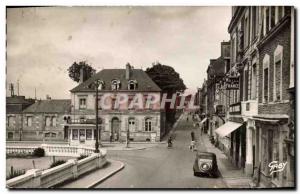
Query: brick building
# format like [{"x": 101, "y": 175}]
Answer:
[{"x": 260, "y": 107}]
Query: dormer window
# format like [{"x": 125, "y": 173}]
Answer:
[
  {"x": 132, "y": 85},
  {"x": 115, "y": 84}
]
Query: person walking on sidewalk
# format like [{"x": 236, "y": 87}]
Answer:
[
  {"x": 193, "y": 142},
  {"x": 193, "y": 136}
]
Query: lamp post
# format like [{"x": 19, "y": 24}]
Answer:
[{"x": 97, "y": 83}]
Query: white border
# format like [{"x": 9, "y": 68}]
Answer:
[{"x": 4, "y": 3}]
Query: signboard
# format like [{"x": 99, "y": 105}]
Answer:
[{"x": 232, "y": 83}]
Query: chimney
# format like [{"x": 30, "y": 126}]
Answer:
[
  {"x": 82, "y": 75},
  {"x": 128, "y": 68}
]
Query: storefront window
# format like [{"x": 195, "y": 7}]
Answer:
[
  {"x": 75, "y": 134},
  {"x": 82, "y": 134},
  {"x": 89, "y": 134}
]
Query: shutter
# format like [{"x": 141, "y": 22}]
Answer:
[
  {"x": 126, "y": 124},
  {"x": 143, "y": 125}
]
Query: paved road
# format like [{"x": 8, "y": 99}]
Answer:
[{"x": 160, "y": 167}]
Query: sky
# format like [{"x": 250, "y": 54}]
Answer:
[{"x": 43, "y": 42}]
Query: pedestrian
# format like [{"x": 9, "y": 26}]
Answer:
[
  {"x": 193, "y": 136},
  {"x": 192, "y": 146}
]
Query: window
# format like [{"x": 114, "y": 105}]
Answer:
[
  {"x": 277, "y": 96},
  {"x": 47, "y": 134},
  {"x": 267, "y": 19},
  {"x": 280, "y": 13},
  {"x": 253, "y": 85},
  {"x": 131, "y": 125},
  {"x": 254, "y": 22},
  {"x": 89, "y": 134},
  {"x": 233, "y": 46},
  {"x": 53, "y": 134},
  {"x": 10, "y": 135},
  {"x": 132, "y": 85},
  {"x": 266, "y": 84},
  {"x": 10, "y": 121},
  {"x": 48, "y": 121},
  {"x": 54, "y": 121},
  {"x": 75, "y": 134},
  {"x": 265, "y": 95},
  {"x": 148, "y": 124},
  {"x": 246, "y": 77},
  {"x": 82, "y": 103},
  {"x": 29, "y": 121},
  {"x": 272, "y": 17},
  {"x": 115, "y": 84},
  {"x": 246, "y": 26},
  {"x": 82, "y": 134}
]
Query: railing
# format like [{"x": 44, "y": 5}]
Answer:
[
  {"x": 11, "y": 150},
  {"x": 249, "y": 108},
  {"x": 52, "y": 150},
  {"x": 36, "y": 178}
]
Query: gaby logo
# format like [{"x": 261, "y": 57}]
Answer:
[{"x": 275, "y": 166}]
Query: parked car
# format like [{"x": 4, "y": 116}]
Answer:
[{"x": 206, "y": 164}]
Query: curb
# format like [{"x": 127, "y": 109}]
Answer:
[{"x": 107, "y": 176}]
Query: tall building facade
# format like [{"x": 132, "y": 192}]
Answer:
[{"x": 258, "y": 87}]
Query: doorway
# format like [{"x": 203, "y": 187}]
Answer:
[{"x": 115, "y": 129}]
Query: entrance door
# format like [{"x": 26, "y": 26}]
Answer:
[{"x": 115, "y": 129}]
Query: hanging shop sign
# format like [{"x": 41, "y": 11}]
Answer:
[{"x": 232, "y": 83}]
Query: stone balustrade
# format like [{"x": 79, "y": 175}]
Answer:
[
  {"x": 52, "y": 150},
  {"x": 72, "y": 169}
]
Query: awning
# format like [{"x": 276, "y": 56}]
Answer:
[
  {"x": 227, "y": 128},
  {"x": 203, "y": 120}
]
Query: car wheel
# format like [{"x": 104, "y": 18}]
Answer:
[{"x": 195, "y": 174}]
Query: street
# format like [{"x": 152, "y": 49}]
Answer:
[{"x": 160, "y": 167}]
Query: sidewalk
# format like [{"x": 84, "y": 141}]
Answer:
[
  {"x": 132, "y": 146},
  {"x": 91, "y": 179},
  {"x": 233, "y": 177}
]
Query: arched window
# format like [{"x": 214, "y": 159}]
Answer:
[
  {"x": 148, "y": 124},
  {"x": 132, "y": 84},
  {"x": 115, "y": 84}
]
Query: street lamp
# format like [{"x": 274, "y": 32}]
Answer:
[{"x": 97, "y": 84}]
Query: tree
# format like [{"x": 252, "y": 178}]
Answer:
[
  {"x": 74, "y": 71},
  {"x": 166, "y": 78},
  {"x": 170, "y": 82}
]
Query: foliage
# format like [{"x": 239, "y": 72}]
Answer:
[
  {"x": 39, "y": 152},
  {"x": 57, "y": 163},
  {"x": 74, "y": 71},
  {"x": 82, "y": 157},
  {"x": 14, "y": 173},
  {"x": 166, "y": 78}
]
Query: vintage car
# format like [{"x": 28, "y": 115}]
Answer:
[{"x": 206, "y": 164}]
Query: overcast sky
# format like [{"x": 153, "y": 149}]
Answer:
[{"x": 43, "y": 42}]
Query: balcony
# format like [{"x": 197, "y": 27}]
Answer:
[{"x": 249, "y": 108}]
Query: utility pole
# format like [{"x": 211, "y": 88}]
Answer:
[
  {"x": 35, "y": 93},
  {"x": 98, "y": 136}
]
